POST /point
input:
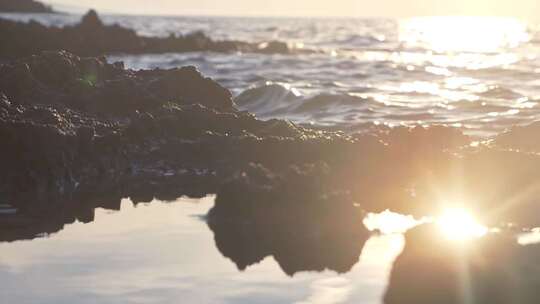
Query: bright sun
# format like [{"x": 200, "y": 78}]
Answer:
[{"x": 458, "y": 224}]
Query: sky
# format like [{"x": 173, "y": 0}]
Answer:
[{"x": 527, "y": 9}]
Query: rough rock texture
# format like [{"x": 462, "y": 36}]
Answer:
[
  {"x": 75, "y": 129},
  {"x": 24, "y": 6},
  {"x": 93, "y": 86},
  {"x": 93, "y": 38},
  {"x": 490, "y": 270}
]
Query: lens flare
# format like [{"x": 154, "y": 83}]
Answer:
[{"x": 459, "y": 224}]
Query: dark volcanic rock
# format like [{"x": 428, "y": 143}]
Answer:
[
  {"x": 74, "y": 127},
  {"x": 24, "y": 6},
  {"x": 93, "y": 38},
  {"x": 93, "y": 85},
  {"x": 491, "y": 270},
  {"x": 91, "y": 21},
  {"x": 70, "y": 124}
]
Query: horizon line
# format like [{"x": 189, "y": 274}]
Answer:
[{"x": 74, "y": 9}]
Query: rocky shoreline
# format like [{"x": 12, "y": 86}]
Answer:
[
  {"x": 71, "y": 125},
  {"x": 91, "y": 37},
  {"x": 24, "y": 6}
]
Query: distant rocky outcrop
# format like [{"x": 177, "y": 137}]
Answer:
[
  {"x": 91, "y": 37},
  {"x": 24, "y": 6}
]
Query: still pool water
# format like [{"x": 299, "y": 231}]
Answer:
[{"x": 164, "y": 252}]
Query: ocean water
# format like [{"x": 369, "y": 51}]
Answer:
[{"x": 474, "y": 73}]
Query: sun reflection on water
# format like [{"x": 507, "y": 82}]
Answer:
[
  {"x": 388, "y": 222},
  {"x": 463, "y": 34},
  {"x": 460, "y": 225},
  {"x": 456, "y": 224}
]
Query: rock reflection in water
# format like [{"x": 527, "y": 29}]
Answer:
[
  {"x": 162, "y": 252},
  {"x": 295, "y": 247},
  {"x": 258, "y": 214},
  {"x": 29, "y": 225},
  {"x": 38, "y": 220}
]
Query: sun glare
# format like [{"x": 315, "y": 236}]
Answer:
[
  {"x": 469, "y": 34},
  {"x": 459, "y": 224}
]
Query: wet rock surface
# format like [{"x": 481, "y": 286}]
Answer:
[
  {"x": 24, "y": 6},
  {"x": 91, "y": 37},
  {"x": 93, "y": 86}
]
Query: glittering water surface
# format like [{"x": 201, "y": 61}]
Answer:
[
  {"x": 163, "y": 252},
  {"x": 476, "y": 73}
]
